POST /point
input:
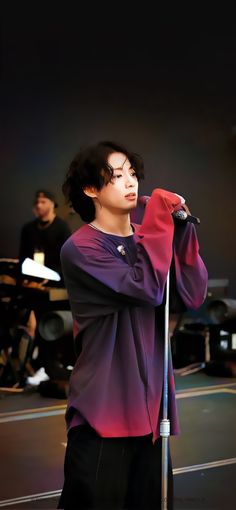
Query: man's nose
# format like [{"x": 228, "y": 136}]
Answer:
[{"x": 129, "y": 181}]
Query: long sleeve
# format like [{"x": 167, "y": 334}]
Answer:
[
  {"x": 190, "y": 270},
  {"x": 187, "y": 267}
]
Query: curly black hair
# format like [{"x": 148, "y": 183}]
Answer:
[{"x": 90, "y": 168}]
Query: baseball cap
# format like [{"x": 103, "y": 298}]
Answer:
[{"x": 43, "y": 193}]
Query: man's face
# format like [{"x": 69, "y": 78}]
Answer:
[
  {"x": 121, "y": 193},
  {"x": 43, "y": 207}
]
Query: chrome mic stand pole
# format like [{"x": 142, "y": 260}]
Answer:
[{"x": 165, "y": 422}]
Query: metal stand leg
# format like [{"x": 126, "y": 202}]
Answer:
[{"x": 165, "y": 423}]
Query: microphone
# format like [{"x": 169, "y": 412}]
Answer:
[{"x": 180, "y": 216}]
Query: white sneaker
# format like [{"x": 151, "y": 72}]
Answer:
[{"x": 38, "y": 377}]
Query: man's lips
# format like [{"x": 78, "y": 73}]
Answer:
[{"x": 131, "y": 196}]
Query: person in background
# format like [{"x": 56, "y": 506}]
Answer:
[
  {"x": 41, "y": 240},
  {"x": 115, "y": 273}
]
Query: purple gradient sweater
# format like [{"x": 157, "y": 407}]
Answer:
[{"x": 116, "y": 286}]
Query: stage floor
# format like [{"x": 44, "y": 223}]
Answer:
[{"x": 33, "y": 441}]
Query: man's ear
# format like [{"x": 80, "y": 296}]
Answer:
[{"x": 90, "y": 191}]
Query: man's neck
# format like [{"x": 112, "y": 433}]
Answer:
[
  {"x": 118, "y": 225},
  {"x": 47, "y": 219}
]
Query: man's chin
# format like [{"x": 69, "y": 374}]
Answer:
[{"x": 133, "y": 205}]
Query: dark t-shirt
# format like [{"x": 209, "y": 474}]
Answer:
[{"x": 48, "y": 240}]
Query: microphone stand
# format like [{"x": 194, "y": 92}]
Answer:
[
  {"x": 165, "y": 422},
  {"x": 179, "y": 216}
]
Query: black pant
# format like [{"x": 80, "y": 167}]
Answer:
[{"x": 112, "y": 473}]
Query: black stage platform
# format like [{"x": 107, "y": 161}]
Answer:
[{"x": 33, "y": 440}]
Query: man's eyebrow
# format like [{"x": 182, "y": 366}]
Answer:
[{"x": 121, "y": 168}]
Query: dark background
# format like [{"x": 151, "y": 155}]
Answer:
[{"x": 162, "y": 83}]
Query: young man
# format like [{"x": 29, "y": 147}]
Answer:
[{"x": 115, "y": 273}]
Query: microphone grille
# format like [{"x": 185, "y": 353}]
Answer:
[{"x": 180, "y": 215}]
